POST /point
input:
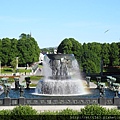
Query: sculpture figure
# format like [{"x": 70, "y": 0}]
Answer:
[
  {"x": 7, "y": 89},
  {"x": 27, "y": 82},
  {"x": 59, "y": 68},
  {"x": 116, "y": 89},
  {"x": 98, "y": 82},
  {"x": 16, "y": 83},
  {"x": 102, "y": 90},
  {"x": 21, "y": 90},
  {"x": 88, "y": 80}
]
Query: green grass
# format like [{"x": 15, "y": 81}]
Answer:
[
  {"x": 10, "y": 70},
  {"x": 94, "y": 81},
  {"x": 6, "y": 70},
  {"x": 33, "y": 85},
  {"x": 40, "y": 66},
  {"x": 35, "y": 77},
  {"x": 23, "y": 70}
]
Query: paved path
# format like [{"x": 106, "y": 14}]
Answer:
[
  {"x": 92, "y": 84},
  {"x": 55, "y": 108}
]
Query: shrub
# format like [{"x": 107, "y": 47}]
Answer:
[
  {"x": 68, "y": 112},
  {"x": 93, "y": 110},
  {"x": 5, "y": 114},
  {"x": 23, "y": 112},
  {"x": 48, "y": 115},
  {"x": 113, "y": 112}
]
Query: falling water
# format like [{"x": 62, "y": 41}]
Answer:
[{"x": 61, "y": 76}]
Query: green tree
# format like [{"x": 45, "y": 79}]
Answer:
[
  {"x": 71, "y": 46},
  {"x": 13, "y": 51},
  {"x": 90, "y": 59},
  {"x": 6, "y": 47},
  {"x": 114, "y": 54},
  {"x": 0, "y": 49},
  {"x": 118, "y": 44},
  {"x": 13, "y": 64},
  {"x": 65, "y": 47},
  {"x": 105, "y": 53},
  {"x": 28, "y": 50},
  {"x": 91, "y": 62},
  {"x": 95, "y": 48},
  {"x": 76, "y": 49}
]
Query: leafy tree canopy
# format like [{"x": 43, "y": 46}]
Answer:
[{"x": 25, "y": 48}]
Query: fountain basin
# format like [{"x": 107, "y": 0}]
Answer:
[{"x": 30, "y": 93}]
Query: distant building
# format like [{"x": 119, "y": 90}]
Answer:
[
  {"x": 55, "y": 51},
  {"x": 41, "y": 57}
]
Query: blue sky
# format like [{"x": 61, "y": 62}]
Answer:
[{"x": 51, "y": 21}]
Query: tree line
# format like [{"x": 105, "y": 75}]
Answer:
[
  {"x": 91, "y": 56},
  {"x": 25, "y": 48}
]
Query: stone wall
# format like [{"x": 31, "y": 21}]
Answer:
[{"x": 59, "y": 101}]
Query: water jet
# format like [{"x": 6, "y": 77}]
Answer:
[{"x": 62, "y": 76}]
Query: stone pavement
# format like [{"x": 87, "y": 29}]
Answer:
[
  {"x": 54, "y": 108},
  {"x": 92, "y": 85}
]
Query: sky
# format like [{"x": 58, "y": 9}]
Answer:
[{"x": 51, "y": 21}]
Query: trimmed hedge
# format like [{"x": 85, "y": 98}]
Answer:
[
  {"x": 23, "y": 110},
  {"x": 94, "y": 110},
  {"x": 87, "y": 110},
  {"x": 28, "y": 113}
]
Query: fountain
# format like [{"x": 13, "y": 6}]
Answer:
[
  {"x": 62, "y": 76},
  {"x": 62, "y": 85}
]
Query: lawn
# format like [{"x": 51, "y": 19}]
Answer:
[
  {"x": 9, "y": 70},
  {"x": 35, "y": 78}
]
